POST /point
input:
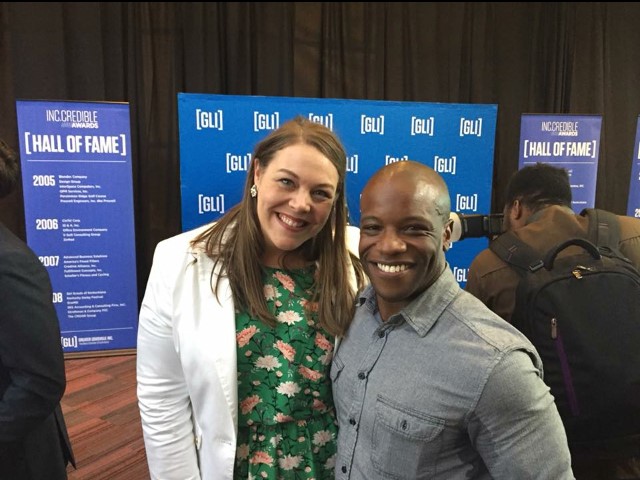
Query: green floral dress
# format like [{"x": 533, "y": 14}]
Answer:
[{"x": 286, "y": 420}]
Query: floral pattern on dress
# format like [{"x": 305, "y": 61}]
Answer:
[{"x": 286, "y": 422}]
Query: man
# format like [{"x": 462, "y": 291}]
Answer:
[
  {"x": 428, "y": 382},
  {"x": 538, "y": 211},
  {"x": 34, "y": 444}
]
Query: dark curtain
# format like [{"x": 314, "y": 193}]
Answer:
[{"x": 526, "y": 57}]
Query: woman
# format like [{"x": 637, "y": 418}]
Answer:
[{"x": 239, "y": 318}]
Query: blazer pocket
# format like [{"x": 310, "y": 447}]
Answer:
[{"x": 405, "y": 442}]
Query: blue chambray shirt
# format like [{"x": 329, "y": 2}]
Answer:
[{"x": 445, "y": 389}]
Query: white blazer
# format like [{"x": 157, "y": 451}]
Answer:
[{"x": 187, "y": 367}]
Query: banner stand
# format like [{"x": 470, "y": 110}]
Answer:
[
  {"x": 571, "y": 142},
  {"x": 78, "y": 199}
]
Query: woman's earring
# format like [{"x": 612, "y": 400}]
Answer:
[{"x": 253, "y": 191}]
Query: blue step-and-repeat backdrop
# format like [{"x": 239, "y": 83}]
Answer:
[{"x": 218, "y": 134}]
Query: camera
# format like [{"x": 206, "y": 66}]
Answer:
[{"x": 476, "y": 225}]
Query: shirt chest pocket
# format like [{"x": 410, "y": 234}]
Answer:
[{"x": 406, "y": 443}]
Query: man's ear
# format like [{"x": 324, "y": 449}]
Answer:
[
  {"x": 517, "y": 210},
  {"x": 446, "y": 235},
  {"x": 516, "y": 215}
]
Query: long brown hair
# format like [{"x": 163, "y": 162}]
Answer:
[{"x": 236, "y": 244}]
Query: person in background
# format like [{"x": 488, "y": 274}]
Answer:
[
  {"x": 238, "y": 322},
  {"x": 34, "y": 444},
  {"x": 428, "y": 382},
  {"x": 538, "y": 210}
]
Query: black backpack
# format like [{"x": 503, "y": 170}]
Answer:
[{"x": 582, "y": 313}]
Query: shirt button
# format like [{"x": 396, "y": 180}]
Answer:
[
  {"x": 361, "y": 376},
  {"x": 381, "y": 334},
  {"x": 344, "y": 469},
  {"x": 352, "y": 421}
]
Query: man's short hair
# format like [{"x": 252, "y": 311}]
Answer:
[
  {"x": 538, "y": 185},
  {"x": 9, "y": 169}
]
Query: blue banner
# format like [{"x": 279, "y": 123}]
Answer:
[
  {"x": 633, "y": 205},
  {"x": 218, "y": 133},
  {"x": 78, "y": 199},
  {"x": 568, "y": 141}
]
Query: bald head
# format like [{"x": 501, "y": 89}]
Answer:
[
  {"x": 417, "y": 179},
  {"x": 404, "y": 227}
]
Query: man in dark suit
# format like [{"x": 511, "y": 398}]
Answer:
[{"x": 34, "y": 443}]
